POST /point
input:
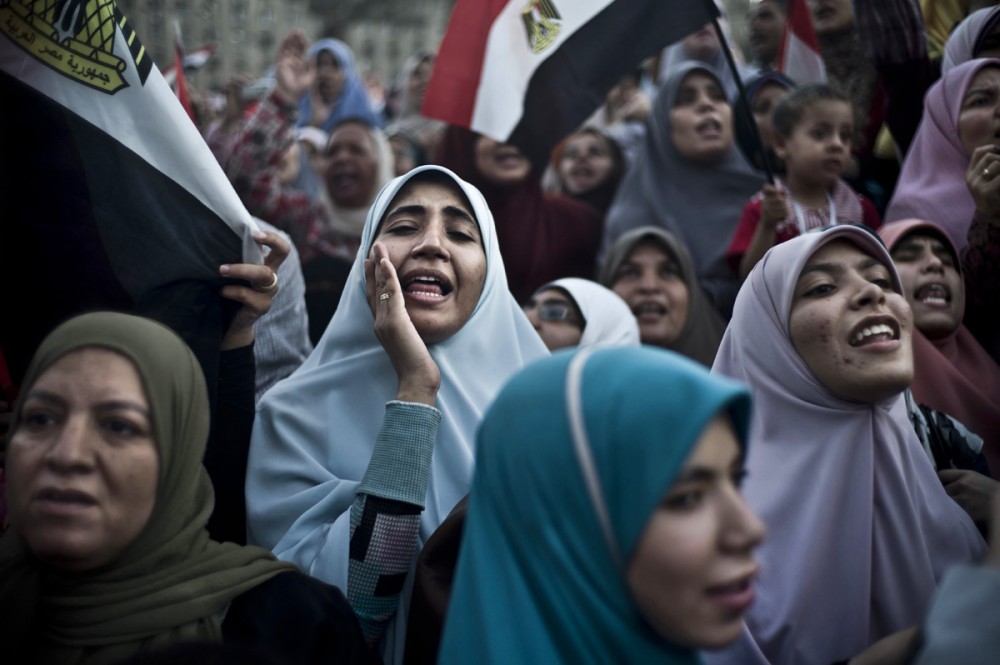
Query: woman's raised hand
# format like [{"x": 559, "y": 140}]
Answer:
[
  {"x": 294, "y": 71},
  {"x": 983, "y": 180},
  {"x": 418, "y": 375}
]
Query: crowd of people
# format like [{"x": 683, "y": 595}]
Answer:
[{"x": 718, "y": 383}]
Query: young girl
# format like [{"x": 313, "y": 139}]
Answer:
[{"x": 812, "y": 133}]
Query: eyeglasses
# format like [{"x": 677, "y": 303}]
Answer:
[{"x": 552, "y": 311}]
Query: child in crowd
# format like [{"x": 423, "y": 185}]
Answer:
[{"x": 812, "y": 133}]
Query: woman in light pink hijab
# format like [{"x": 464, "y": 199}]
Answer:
[
  {"x": 932, "y": 183},
  {"x": 860, "y": 530}
]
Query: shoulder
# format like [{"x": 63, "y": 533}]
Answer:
[{"x": 306, "y": 619}]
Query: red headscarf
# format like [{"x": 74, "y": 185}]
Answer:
[{"x": 954, "y": 374}]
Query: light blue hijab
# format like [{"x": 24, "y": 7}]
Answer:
[
  {"x": 540, "y": 577},
  {"x": 315, "y": 431},
  {"x": 354, "y": 102}
]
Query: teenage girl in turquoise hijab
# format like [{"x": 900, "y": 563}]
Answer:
[{"x": 605, "y": 523}]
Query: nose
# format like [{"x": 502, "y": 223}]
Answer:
[
  {"x": 742, "y": 529},
  {"x": 69, "y": 450},
  {"x": 868, "y": 294},
  {"x": 649, "y": 282},
  {"x": 431, "y": 242},
  {"x": 932, "y": 263}
]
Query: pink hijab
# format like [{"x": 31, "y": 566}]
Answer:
[
  {"x": 931, "y": 184},
  {"x": 860, "y": 529},
  {"x": 954, "y": 374}
]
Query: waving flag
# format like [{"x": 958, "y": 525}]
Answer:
[
  {"x": 528, "y": 72},
  {"x": 111, "y": 197},
  {"x": 799, "y": 58}
]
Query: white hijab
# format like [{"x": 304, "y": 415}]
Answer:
[
  {"x": 315, "y": 431},
  {"x": 610, "y": 322}
]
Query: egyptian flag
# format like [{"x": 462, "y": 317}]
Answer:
[
  {"x": 528, "y": 72},
  {"x": 111, "y": 198},
  {"x": 799, "y": 58},
  {"x": 180, "y": 82}
]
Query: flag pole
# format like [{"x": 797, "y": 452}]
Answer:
[{"x": 742, "y": 96}]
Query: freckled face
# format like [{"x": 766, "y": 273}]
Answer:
[
  {"x": 693, "y": 569},
  {"x": 82, "y": 466},
  {"x": 849, "y": 325}
]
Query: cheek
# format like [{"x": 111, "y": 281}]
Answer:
[{"x": 974, "y": 129}]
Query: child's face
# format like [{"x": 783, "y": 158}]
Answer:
[
  {"x": 762, "y": 107},
  {"x": 820, "y": 144}
]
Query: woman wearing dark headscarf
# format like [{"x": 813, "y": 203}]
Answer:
[
  {"x": 107, "y": 555},
  {"x": 542, "y": 236},
  {"x": 338, "y": 91},
  {"x": 652, "y": 272},
  {"x": 689, "y": 178}
]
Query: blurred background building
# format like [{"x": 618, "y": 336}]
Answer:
[{"x": 246, "y": 33}]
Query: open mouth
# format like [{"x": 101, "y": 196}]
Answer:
[
  {"x": 649, "y": 310},
  {"x": 936, "y": 295},
  {"x": 709, "y": 127},
  {"x": 69, "y": 497},
  {"x": 427, "y": 283},
  {"x": 872, "y": 331}
]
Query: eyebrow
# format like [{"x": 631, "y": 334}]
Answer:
[
  {"x": 837, "y": 268},
  {"x": 449, "y": 210},
  {"x": 52, "y": 398},
  {"x": 983, "y": 89}
]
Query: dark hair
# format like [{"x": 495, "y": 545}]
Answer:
[{"x": 792, "y": 105}]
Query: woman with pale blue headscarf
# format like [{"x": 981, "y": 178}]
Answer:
[
  {"x": 338, "y": 92},
  {"x": 605, "y": 524},
  {"x": 359, "y": 455}
]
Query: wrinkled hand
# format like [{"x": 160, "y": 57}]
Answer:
[
  {"x": 257, "y": 295},
  {"x": 418, "y": 375},
  {"x": 294, "y": 71},
  {"x": 773, "y": 206},
  {"x": 983, "y": 180},
  {"x": 973, "y": 491}
]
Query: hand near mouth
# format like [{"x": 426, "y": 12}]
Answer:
[
  {"x": 983, "y": 180},
  {"x": 418, "y": 375}
]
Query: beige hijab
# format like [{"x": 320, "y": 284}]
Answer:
[
  {"x": 703, "y": 328},
  {"x": 172, "y": 583}
]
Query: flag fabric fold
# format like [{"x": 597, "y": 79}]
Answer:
[
  {"x": 112, "y": 198},
  {"x": 528, "y": 72},
  {"x": 799, "y": 58}
]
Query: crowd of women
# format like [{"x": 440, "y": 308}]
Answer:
[{"x": 720, "y": 383}]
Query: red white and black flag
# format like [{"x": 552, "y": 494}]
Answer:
[
  {"x": 799, "y": 58},
  {"x": 528, "y": 72},
  {"x": 111, "y": 198}
]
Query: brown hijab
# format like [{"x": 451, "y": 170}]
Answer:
[
  {"x": 172, "y": 583},
  {"x": 703, "y": 328}
]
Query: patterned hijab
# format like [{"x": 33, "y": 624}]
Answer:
[
  {"x": 699, "y": 338},
  {"x": 860, "y": 529},
  {"x": 171, "y": 583},
  {"x": 540, "y": 576}
]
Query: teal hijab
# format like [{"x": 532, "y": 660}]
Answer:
[{"x": 573, "y": 458}]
